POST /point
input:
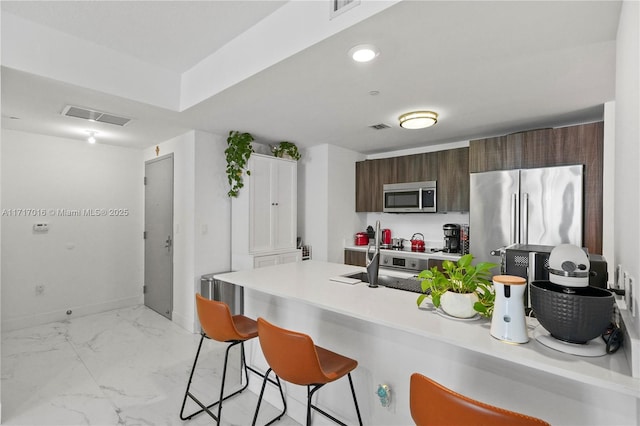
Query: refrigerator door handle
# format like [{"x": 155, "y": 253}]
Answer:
[
  {"x": 524, "y": 223},
  {"x": 513, "y": 234}
]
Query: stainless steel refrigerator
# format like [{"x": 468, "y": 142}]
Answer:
[{"x": 528, "y": 206}]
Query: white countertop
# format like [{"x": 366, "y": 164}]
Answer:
[{"x": 309, "y": 282}]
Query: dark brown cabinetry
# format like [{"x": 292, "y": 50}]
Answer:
[
  {"x": 370, "y": 176},
  {"x": 450, "y": 168},
  {"x": 582, "y": 144},
  {"x": 499, "y": 153},
  {"x": 453, "y": 180},
  {"x": 355, "y": 257}
]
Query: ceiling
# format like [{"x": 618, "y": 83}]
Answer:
[{"x": 488, "y": 68}]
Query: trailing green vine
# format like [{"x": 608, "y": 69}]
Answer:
[{"x": 239, "y": 149}]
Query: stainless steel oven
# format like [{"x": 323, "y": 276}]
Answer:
[{"x": 410, "y": 197}]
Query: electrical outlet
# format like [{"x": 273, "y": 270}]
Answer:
[
  {"x": 618, "y": 283},
  {"x": 627, "y": 293},
  {"x": 39, "y": 289}
]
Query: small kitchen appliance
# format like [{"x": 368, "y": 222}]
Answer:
[
  {"x": 409, "y": 197},
  {"x": 417, "y": 244},
  {"x": 451, "y": 238},
  {"x": 362, "y": 239},
  {"x": 386, "y": 238},
  {"x": 397, "y": 243},
  {"x": 508, "y": 320},
  {"x": 573, "y": 314}
]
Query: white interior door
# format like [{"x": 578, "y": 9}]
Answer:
[{"x": 158, "y": 244}]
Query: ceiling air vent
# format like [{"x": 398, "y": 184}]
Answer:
[
  {"x": 380, "y": 126},
  {"x": 341, "y": 6},
  {"x": 88, "y": 114}
]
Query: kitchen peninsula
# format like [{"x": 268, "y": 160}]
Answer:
[{"x": 391, "y": 338}]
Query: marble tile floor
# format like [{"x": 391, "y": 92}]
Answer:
[{"x": 124, "y": 367}]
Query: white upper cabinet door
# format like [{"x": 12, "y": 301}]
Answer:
[
  {"x": 260, "y": 204},
  {"x": 285, "y": 205},
  {"x": 273, "y": 204}
]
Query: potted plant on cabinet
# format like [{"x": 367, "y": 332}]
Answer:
[
  {"x": 239, "y": 149},
  {"x": 461, "y": 289},
  {"x": 286, "y": 149}
]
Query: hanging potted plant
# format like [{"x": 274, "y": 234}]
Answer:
[
  {"x": 286, "y": 149},
  {"x": 239, "y": 149},
  {"x": 462, "y": 290}
]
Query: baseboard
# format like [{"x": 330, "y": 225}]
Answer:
[
  {"x": 32, "y": 320},
  {"x": 184, "y": 322}
]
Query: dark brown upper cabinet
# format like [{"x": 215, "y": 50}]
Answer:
[
  {"x": 450, "y": 168},
  {"x": 499, "y": 153},
  {"x": 453, "y": 180}
]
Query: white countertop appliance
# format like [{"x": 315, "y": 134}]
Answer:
[{"x": 508, "y": 321}]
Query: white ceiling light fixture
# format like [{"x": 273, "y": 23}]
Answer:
[
  {"x": 418, "y": 119},
  {"x": 92, "y": 137},
  {"x": 364, "y": 52}
]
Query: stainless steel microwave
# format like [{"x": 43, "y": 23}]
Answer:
[{"x": 410, "y": 197}]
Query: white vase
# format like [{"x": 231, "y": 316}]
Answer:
[{"x": 459, "y": 305}]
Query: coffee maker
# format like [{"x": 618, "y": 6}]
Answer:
[{"x": 451, "y": 238}]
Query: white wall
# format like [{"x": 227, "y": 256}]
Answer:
[
  {"x": 313, "y": 196},
  {"x": 86, "y": 264},
  {"x": 201, "y": 216},
  {"x": 213, "y": 207},
  {"x": 627, "y": 149},
  {"x": 326, "y": 201},
  {"x": 343, "y": 222}
]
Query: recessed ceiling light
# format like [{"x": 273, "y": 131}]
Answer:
[
  {"x": 92, "y": 137},
  {"x": 364, "y": 52},
  {"x": 418, "y": 119}
]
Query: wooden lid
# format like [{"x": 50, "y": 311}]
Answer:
[{"x": 509, "y": 280}]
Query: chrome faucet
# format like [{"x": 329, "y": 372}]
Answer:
[{"x": 373, "y": 261}]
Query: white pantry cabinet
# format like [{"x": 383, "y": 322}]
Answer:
[{"x": 264, "y": 215}]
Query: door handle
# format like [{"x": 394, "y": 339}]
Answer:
[
  {"x": 167, "y": 243},
  {"x": 513, "y": 225},
  {"x": 524, "y": 222}
]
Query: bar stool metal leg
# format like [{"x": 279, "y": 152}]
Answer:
[
  {"x": 264, "y": 384},
  {"x": 311, "y": 389},
  {"x": 206, "y": 408}
]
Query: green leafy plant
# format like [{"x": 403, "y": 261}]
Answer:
[
  {"x": 288, "y": 148},
  {"x": 238, "y": 151},
  {"x": 460, "y": 277}
]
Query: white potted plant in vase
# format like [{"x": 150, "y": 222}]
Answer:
[{"x": 461, "y": 289}]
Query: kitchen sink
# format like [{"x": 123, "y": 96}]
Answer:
[{"x": 407, "y": 284}]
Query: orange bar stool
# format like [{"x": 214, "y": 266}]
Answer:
[
  {"x": 432, "y": 404},
  {"x": 293, "y": 357},
  {"x": 218, "y": 324}
]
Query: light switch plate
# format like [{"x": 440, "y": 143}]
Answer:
[
  {"x": 627, "y": 292},
  {"x": 40, "y": 227}
]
